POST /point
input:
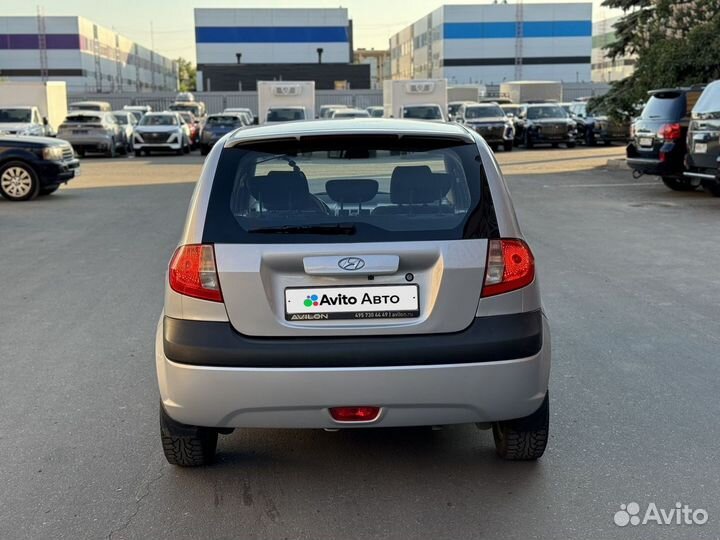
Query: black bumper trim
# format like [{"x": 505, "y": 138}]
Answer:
[{"x": 487, "y": 339}]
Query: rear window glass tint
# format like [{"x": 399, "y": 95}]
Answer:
[
  {"x": 349, "y": 189},
  {"x": 665, "y": 106}
]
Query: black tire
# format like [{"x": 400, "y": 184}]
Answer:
[
  {"x": 494, "y": 147},
  {"x": 204, "y": 150},
  {"x": 523, "y": 439},
  {"x": 712, "y": 187},
  {"x": 678, "y": 184},
  {"x": 571, "y": 144},
  {"x": 527, "y": 141},
  {"x": 187, "y": 149},
  {"x": 186, "y": 446},
  {"x": 24, "y": 169},
  {"x": 81, "y": 153},
  {"x": 112, "y": 151},
  {"x": 138, "y": 153},
  {"x": 47, "y": 190},
  {"x": 508, "y": 146}
]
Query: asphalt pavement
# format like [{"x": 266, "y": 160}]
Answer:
[{"x": 630, "y": 274}]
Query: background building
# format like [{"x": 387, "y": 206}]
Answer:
[
  {"x": 603, "y": 68},
  {"x": 379, "y": 62},
  {"x": 89, "y": 57},
  {"x": 492, "y": 43},
  {"x": 238, "y": 47}
]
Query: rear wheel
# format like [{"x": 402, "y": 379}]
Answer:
[
  {"x": 523, "y": 439},
  {"x": 186, "y": 446},
  {"x": 571, "y": 144},
  {"x": 712, "y": 187},
  {"x": 528, "y": 142},
  {"x": 138, "y": 153},
  {"x": 204, "y": 150},
  {"x": 508, "y": 146},
  {"x": 18, "y": 181},
  {"x": 678, "y": 184}
]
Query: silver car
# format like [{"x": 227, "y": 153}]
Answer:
[
  {"x": 93, "y": 131},
  {"x": 352, "y": 274},
  {"x": 127, "y": 121}
]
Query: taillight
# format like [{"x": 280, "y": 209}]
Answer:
[
  {"x": 670, "y": 132},
  {"x": 510, "y": 266},
  {"x": 354, "y": 414},
  {"x": 193, "y": 273}
]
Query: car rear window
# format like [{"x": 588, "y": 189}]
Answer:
[
  {"x": 429, "y": 112},
  {"x": 228, "y": 120},
  {"x": 285, "y": 115},
  {"x": 83, "y": 118},
  {"x": 665, "y": 106},
  {"x": 349, "y": 189}
]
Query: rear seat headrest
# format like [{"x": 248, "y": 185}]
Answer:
[
  {"x": 356, "y": 191},
  {"x": 417, "y": 184},
  {"x": 280, "y": 190}
]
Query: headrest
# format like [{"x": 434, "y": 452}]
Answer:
[
  {"x": 280, "y": 190},
  {"x": 417, "y": 185},
  {"x": 354, "y": 191}
]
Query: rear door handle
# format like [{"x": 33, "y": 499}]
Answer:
[{"x": 343, "y": 265}]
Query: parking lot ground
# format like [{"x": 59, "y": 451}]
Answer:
[{"x": 629, "y": 273}]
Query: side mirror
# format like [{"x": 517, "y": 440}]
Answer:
[{"x": 45, "y": 121}]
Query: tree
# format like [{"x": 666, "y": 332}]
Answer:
[
  {"x": 676, "y": 43},
  {"x": 186, "y": 75}
]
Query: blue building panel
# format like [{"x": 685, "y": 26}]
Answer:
[
  {"x": 530, "y": 29},
  {"x": 270, "y": 34}
]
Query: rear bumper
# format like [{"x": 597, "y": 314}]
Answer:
[
  {"x": 649, "y": 162},
  {"x": 409, "y": 395}
]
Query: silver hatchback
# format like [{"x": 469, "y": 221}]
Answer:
[{"x": 352, "y": 274}]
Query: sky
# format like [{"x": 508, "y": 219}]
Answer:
[{"x": 374, "y": 21}]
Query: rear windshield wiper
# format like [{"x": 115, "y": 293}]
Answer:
[{"x": 340, "y": 228}]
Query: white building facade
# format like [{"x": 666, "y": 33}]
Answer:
[
  {"x": 492, "y": 43},
  {"x": 87, "y": 56}
]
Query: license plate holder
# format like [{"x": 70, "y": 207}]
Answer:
[
  {"x": 355, "y": 302},
  {"x": 700, "y": 148},
  {"x": 646, "y": 141},
  {"x": 80, "y": 132}
]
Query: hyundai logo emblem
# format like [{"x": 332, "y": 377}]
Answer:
[{"x": 351, "y": 263}]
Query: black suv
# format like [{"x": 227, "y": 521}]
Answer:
[
  {"x": 545, "y": 123},
  {"x": 489, "y": 120},
  {"x": 657, "y": 145},
  {"x": 593, "y": 126},
  {"x": 703, "y": 140},
  {"x": 32, "y": 166}
]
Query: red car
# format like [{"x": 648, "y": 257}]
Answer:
[{"x": 194, "y": 126}]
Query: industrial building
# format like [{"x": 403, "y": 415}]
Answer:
[
  {"x": 492, "y": 43},
  {"x": 238, "y": 47},
  {"x": 605, "y": 69},
  {"x": 379, "y": 62},
  {"x": 89, "y": 57}
]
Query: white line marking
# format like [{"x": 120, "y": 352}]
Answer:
[{"x": 603, "y": 185}]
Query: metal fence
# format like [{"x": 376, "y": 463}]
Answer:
[{"x": 218, "y": 101}]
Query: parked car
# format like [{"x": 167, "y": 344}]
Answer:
[
  {"x": 24, "y": 121},
  {"x": 127, "y": 121},
  {"x": 545, "y": 123},
  {"x": 285, "y": 114},
  {"x": 390, "y": 288},
  {"x": 325, "y": 111},
  {"x": 162, "y": 131},
  {"x": 376, "y": 111},
  {"x": 102, "y": 106},
  {"x": 594, "y": 126},
  {"x": 185, "y": 96},
  {"x": 338, "y": 114},
  {"x": 454, "y": 108},
  {"x": 703, "y": 140},
  {"x": 138, "y": 110},
  {"x": 219, "y": 125},
  {"x": 93, "y": 131},
  {"x": 197, "y": 108},
  {"x": 489, "y": 120},
  {"x": 658, "y": 143},
  {"x": 428, "y": 111},
  {"x": 242, "y": 110},
  {"x": 32, "y": 166},
  {"x": 194, "y": 128}
]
